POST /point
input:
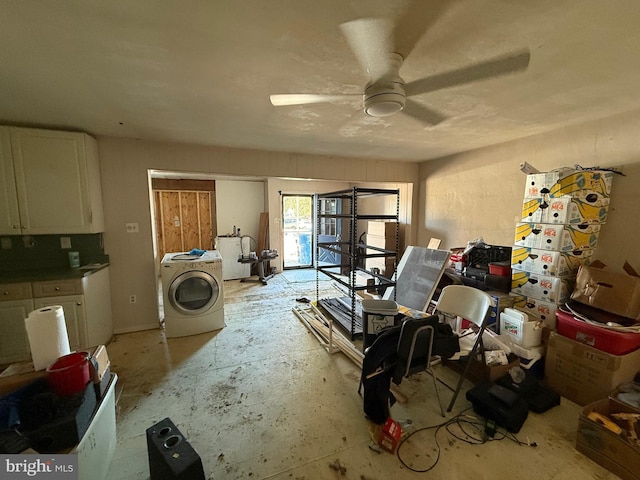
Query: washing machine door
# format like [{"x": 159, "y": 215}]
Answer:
[{"x": 193, "y": 293}]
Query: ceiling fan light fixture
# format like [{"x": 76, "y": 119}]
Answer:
[{"x": 382, "y": 101}]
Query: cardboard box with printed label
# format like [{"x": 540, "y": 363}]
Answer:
[
  {"x": 545, "y": 311},
  {"x": 584, "y": 374},
  {"x": 565, "y": 210},
  {"x": 568, "y": 182},
  {"x": 549, "y": 289},
  {"x": 502, "y": 300},
  {"x": 564, "y": 238},
  {"x": 548, "y": 262}
]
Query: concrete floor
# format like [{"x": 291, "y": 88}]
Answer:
[{"x": 262, "y": 399}]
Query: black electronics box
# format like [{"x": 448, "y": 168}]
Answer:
[
  {"x": 53, "y": 423},
  {"x": 500, "y": 405}
]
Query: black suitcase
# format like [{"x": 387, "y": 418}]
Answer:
[
  {"x": 539, "y": 398},
  {"x": 499, "y": 404}
]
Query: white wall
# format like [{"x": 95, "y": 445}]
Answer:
[
  {"x": 239, "y": 203},
  {"x": 124, "y": 165},
  {"x": 479, "y": 193}
]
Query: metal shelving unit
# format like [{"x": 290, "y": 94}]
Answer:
[{"x": 344, "y": 259}]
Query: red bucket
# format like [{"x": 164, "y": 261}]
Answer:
[{"x": 69, "y": 374}]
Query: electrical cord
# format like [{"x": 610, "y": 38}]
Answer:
[
  {"x": 463, "y": 427},
  {"x": 612, "y": 170}
]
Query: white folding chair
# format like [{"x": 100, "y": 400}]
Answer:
[{"x": 473, "y": 305}]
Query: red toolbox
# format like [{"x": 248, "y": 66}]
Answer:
[{"x": 610, "y": 341}]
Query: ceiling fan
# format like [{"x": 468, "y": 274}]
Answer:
[{"x": 386, "y": 93}]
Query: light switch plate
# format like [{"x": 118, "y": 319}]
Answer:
[
  {"x": 131, "y": 227},
  {"x": 65, "y": 242}
]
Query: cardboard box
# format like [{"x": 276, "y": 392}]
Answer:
[
  {"x": 613, "y": 292},
  {"x": 381, "y": 229},
  {"x": 549, "y": 289},
  {"x": 569, "y": 182},
  {"x": 100, "y": 363},
  {"x": 563, "y": 238},
  {"x": 390, "y": 435},
  {"x": 548, "y": 262},
  {"x": 18, "y": 375},
  {"x": 584, "y": 374},
  {"x": 611, "y": 450},
  {"x": 545, "y": 311},
  {"x": 592, "y": 209},
  {"x": 478, "y": 372},
  {"x": 502, "y": 300}
]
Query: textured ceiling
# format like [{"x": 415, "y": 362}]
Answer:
[{"x": 201, "y": 71}]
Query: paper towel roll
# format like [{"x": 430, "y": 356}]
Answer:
[{"x": 47, "y": 333}]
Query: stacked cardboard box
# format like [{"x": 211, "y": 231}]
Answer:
[
  {"x": 562, "y": 214},
  {"x": 383, "y": 235}
]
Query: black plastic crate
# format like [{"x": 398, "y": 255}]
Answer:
[{"x": 481, "y": 255}]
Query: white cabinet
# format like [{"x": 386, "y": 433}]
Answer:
[
  {"x": 50, "y": 182},
  {"x": 14, "y": 343},
  {"x": 86, "y": 303},
  {"x": 9, "y": 214},
  {"x": 15, "y": 305},
  {"x": 87, "y": 307}
]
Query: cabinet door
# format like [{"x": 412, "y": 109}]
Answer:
[
  {"x": 54, "y": 173},
  {"x": 9, "y": 216},
  {"x": 14, "y": 343},
  {"x": 74, "y": 316}
]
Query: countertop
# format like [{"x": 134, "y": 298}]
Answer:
[{"x": 51, "y": 274}]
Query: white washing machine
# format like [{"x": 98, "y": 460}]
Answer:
[{"x": 192, "y": 291}]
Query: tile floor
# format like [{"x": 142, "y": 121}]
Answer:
[{"x": 262, "y": 399}]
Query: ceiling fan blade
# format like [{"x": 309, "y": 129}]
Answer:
[
  {"x": 504, "y": 65},
  {"x": 284, "y": 99},
  {"x": 371, "y": 41},
  {"x": 415, "y": 21},
  {"x": 422, "y": 113}
]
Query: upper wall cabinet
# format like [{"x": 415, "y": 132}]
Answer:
[{"x": 49, "y": 182}]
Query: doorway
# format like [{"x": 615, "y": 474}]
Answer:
[
  {"x": 297, "y": 229},
  {"x": 185, "y": 215}
]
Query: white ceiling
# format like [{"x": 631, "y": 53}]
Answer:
[{"x": 201, "y": 71}]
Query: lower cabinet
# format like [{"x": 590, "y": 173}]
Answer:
[
  {"x": 86, "y": 303},
  {"x": 74, "y": 316},
  {"x": 14, "y": 343}
]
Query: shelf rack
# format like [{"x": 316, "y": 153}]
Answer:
[{"x": 349, "y": 252}]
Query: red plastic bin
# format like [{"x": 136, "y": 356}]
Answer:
[{"x": 610, "y": 341}]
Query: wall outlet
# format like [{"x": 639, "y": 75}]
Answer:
[
  {"x": 65, "y": 242},
  {"x": 132, "y": 299},
  {"x": 131, "y": 227},
  {"x": 5, "y": 242}
]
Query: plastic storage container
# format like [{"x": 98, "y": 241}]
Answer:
[
  {"x": 96, "y": 448},
  {"x": 607, "y": 340},
  {"x": 376, "y": 316},
  {"x": 516, "y": 325}
]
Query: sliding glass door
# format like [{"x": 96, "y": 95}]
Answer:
[{"x": 298, "y": 231}]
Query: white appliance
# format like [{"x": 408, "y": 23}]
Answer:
[
  {"x": 192, "y": 291},
  {"x": 231, "y": 248}
]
